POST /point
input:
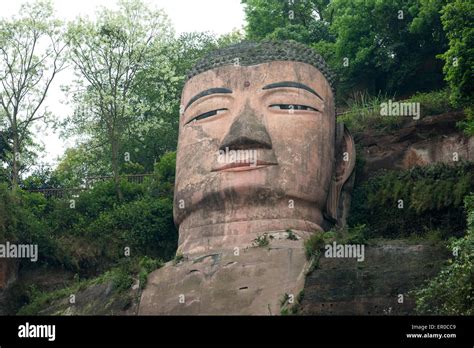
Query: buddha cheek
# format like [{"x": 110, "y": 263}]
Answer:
[
  {"x": 303, "y": 166},
  {"x": 193, "y": 164}
]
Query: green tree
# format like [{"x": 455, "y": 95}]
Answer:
[
  {"x": 108, "y": 55},
  {"x": 306, "y": 21},
  {"x": 42, "y": 177},
  {"x": 80, "y": 162},
  {"x": 458, "y": 19},
  {"x": 379, "y": 48},
  {"x": 5, "y": 147},
  {"x": 373, "y": 45},
  {"x": 31, "y": 50}
]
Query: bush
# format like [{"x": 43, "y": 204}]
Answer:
[
  {"x": 356, "y": 234},
  {"x": 147, "y": 265},
  {"x": 145, "y": 226},
  {"x": 467, "y": 125},
  {"x": 432, "y": 199},
  {"x": 451, "y": 292},
  {"x": 102, "y": 197},
  {"x": 90, "y": 236},
  {"x": 433, "y": 103},
  {"x": 314, "y": 244},
  {"x": 120, "y": 277},
  {"x": 261, "y": 241},
  {"x": 22, "y": 221},
  {"x": 164, "y": 174},
  {"x": 364, "y": 110},
  {"x": 364, "y": 114},
  {"x": 8, "y": 218}
]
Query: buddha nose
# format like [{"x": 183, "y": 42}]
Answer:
[{"x": 247, "y": 132}]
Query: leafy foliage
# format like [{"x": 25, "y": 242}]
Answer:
[
  {"x": 110, "y": 55},
  {"x": 120, "y": 279},
  {"x": 31, "y": 55},
  {"x": 457, "y": 18},
  {"x": 452, "y": 291},
  {"x": 302, "y": 21},
  {"x": 314, "y": 244},
  {"x": 432, "y": 199},
  {"x": 92, "y": 234},
  {"x": 378, "y": 46}
]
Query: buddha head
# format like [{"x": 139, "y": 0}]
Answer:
[{"x": 259, "y": 149}]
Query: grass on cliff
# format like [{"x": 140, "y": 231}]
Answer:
[
  {"x": 364, "y": 110},
  {"x": 346, "y": 235},
  {"x": 121, "y": 278}
]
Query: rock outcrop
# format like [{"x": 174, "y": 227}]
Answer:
[
  {"x": 380, "y": 285},
  {"x": 429, "y": 140}
]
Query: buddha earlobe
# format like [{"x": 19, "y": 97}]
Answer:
[{"x": 342, "y": 170}]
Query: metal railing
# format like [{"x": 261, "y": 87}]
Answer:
[
  {"x": 134, "y": 178},
  {"x": 89, "y": 183},
  {"x": 59, "y": 192}
]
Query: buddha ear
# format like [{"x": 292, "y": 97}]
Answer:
[{"x": 343, "y": 167}]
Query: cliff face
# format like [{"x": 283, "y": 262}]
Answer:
[
  {"x": 8, "y": 275},
  {"x": 8, "y": 272},
  {"x": 380, "y": 285},
  {"x": 429, "y": 140}
]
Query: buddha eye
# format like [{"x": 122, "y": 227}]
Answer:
[
  {"x": 292, "y": 107},
  {"x": 207, "y": 114}
]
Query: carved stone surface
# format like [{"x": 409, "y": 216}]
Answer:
[
  {"x": 258, "y": 153},
  {"x": 222, "y": 283}
]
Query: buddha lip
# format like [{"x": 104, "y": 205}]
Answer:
[{"x": 242, "y": 166}]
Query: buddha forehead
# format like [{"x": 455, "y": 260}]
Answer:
[{"x": 292, "y": 76}]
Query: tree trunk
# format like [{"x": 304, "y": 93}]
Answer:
[
  {"x": 16, "y": 164},
  {"x": 115, "y": 168}
]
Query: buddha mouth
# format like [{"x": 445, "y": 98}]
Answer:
[{"x": 243, "y": 166}]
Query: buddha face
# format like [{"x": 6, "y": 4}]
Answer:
[{"x": 256, "y": 143}]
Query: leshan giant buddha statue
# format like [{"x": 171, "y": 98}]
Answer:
[{"x": 261, "y": 166}]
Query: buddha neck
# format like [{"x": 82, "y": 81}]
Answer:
[{"x": 204, "y": 231}]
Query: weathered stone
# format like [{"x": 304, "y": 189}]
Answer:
[
  {"x": 221, "y": 283},
  {"x": 8, "y": 272},
  {"x": 96, "y": 299},
  {"x": 430, "y": 140},
  {"x": 8, "y": 276},
  {"x": 372, "y": 287}
]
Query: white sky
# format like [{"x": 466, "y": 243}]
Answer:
[{"x": 216, "y": 16}]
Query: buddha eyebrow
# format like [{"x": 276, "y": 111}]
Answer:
[
  {"x": 206, "y": 93},
  {"x": 292, "y": 85}
]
